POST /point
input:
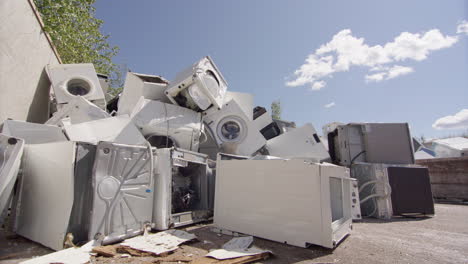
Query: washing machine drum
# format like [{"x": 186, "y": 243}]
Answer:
[
  {"x": 232, "y": 129},
  {"x": 211, "y": 84},
  {"x": 198, "y": 97},
  {"x": 78, "y": 86}
]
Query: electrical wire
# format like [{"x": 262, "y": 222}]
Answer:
[{"x": 357, "y": 155}]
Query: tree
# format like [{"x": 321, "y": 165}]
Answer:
[
  {"x": 76, "y": 34},
  {"x": 276, "y": 109}
]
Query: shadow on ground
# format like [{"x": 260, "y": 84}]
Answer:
[
  {"x": 395, "y": 219},
  {"x": 14, "y": 248}
]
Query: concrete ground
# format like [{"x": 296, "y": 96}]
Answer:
[{"x": 440, "y": 239}]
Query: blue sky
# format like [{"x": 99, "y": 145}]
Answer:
[{"x": 258, "y": 45}]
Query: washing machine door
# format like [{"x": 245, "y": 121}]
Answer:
[
  {"x": 233, "y": 131},
  {"x": 71, "y": 80}
]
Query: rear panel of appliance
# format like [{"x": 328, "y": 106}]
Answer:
[
  {"x": 411, "y": 190},
  {"x": 184, "y": 189},
  {"x": 373, "y": 180},
  {"x": 349, "y": 145},
  {"x": 123, "y": 191},
  {"x": 388, "y": 143}
]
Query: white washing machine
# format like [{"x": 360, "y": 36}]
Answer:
[
  {"x": 166, "y": 125},
  {"x": 183, "y": 188},
  {"x": 71, "y": 80},
  {"x": 198, "y": 87},
  {"x": 233, "y": 131}
]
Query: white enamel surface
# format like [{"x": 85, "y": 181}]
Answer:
[
  {"x": 78, "y": 110},
  {"x": 250, "y": 139},
  {"x": 298, "y": 143},
  {"x": 281, "y": 200},
  {"x": 33, "y": 133},
  {"x": 118, "y": 129},
  {"x": 46, "y": 193},
  {"x": 180, "y": 124},
  {"x": 60, "y": 74}
]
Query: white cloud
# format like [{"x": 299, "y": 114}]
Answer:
[
  {"x": 398, "y": 70},
  {"x": 462, "y": 27},
  {"x": 387, "y": 73},
  {"x": 376, "y": 77},
  {"x": 346, "y": 50},
  {"x": 457, "y": 121},
  {"x": 332, "y": 104},
  {"x": 318, "y": 85}
]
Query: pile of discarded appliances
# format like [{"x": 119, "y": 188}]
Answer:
[{"x": 166, "y": 154}]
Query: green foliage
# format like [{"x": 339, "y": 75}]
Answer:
[
  {"x": 75, "y": 33},
  {"x": 276, "y": 109}
]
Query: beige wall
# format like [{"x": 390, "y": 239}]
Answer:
[{"x": 24, "y": 51}]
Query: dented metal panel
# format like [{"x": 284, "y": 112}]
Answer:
[
  {"x": 123, "y": 188},
  {"x": 11, "y": 151},
  {"x": 46, "y": 193}
]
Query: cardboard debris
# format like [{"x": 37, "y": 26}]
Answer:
[
  {"x": 159, "y": 243},
  {"x": 106, "y": 251},
  {"x": 239, "y": 260}
]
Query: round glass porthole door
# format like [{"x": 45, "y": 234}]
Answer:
[
  {"x": 231, "y": 129},
  {"x": 78, "y": 87}
]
